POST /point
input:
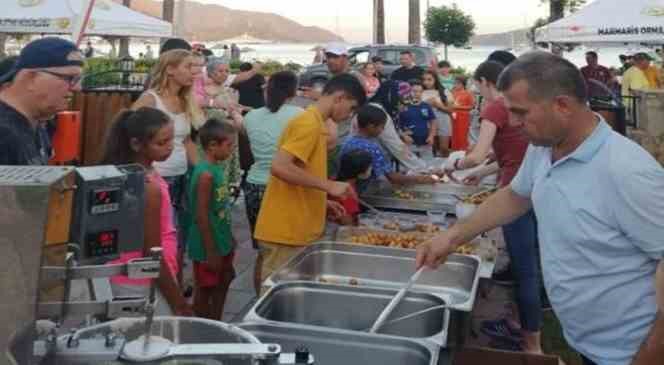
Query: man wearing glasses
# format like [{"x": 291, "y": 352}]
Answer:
[{"x": 44, "y": 77}]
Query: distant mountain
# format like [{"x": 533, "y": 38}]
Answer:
[
  {"x": 504, "y": 40},
  {"x": 208, "y": 22}
]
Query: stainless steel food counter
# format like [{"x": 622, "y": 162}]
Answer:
[{"x": 455, "y": 281}]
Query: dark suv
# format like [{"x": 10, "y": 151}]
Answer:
[{"x": 317, "y": 75}]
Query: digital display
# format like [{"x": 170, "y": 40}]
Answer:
[
  {"x": 106, "y": 239},
  {"x": 105, "y": 201},
  {"x": 102, "y": 243}
]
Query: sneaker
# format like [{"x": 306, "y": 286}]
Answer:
[
  {"x": 504, "y": 277},
  {"x": 500, "y": 330}
]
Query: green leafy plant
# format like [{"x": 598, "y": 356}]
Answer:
[
  {"x": 448, "y": 25},
  {"x": 459, "y": 71}
]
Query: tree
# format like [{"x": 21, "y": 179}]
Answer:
[
  {"x": 414, "y": 24},
  {"x": 124, "y": 42},
  {"x": 168, "y": 10},
  {"x": 448, "y": 25},
  {"x": 557, "y": 11},
  {"x": 168, "y": 13},
  {"x": 3, "y": 42},
  {"x": 379, "y": 21}
]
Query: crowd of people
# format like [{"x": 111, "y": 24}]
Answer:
[
  {"x": 582, "y": 207},
  {"x": 639, "y": 71}
]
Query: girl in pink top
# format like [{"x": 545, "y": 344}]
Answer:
[{"x": 143, "y": 136}]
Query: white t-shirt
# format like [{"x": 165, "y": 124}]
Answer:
[{"x": 176, "y": 164}]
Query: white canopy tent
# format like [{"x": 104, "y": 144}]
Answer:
[
  {"x": 62, "y": 16},
  {"x": 609, "y": 21}
]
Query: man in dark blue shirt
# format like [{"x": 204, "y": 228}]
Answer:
[
  {"x": 38, "y": 86},
  {"x": 408, "y": 71}
]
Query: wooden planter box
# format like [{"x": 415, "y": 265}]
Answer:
[{"x": 98, "y": 109}]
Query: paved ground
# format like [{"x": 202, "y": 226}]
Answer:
[{"x": 242, "y": 293}]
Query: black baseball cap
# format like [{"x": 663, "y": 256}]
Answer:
[
  {"x": 174, "y": 43},
  {"x": 45, "y": 53}
]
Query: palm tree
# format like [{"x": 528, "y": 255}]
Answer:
[
  {"x": 557, "y": 7},
  {"x": 168, "y": 10},
  {"x": 3, "y": 40},
  {"x": 124, "y": 42},
  {"x": 557, "y": 11},
  {"x": 414, "y": 26},
  {"x": 379, "y": 21}
]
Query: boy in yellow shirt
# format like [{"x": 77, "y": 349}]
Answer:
[{"x": 294, "y": 206}]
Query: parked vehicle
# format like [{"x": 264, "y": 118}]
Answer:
[{"x": 317, "y": 75}]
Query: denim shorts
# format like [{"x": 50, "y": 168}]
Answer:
[
  {"x": 253, "y": 197},
  {"x": 177, "y": 188}
]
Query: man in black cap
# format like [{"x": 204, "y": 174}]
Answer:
[{"x": 39, "y": 85}]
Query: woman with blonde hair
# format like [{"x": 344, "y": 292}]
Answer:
[
  {"x": 171, "y": 92},
  {"x": 370, "y": 81}
]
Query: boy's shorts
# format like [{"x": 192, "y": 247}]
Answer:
[
  {"x": 275, "y": 256},
  {"x": 206, "y": 277}
]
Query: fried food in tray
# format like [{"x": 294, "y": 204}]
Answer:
[
  {"x": 402, "y": 240},
  {"x": 407, "y": 195},
  {"x": 381, "y": 237},
  {"x": 427, "y": 228},
  {"x": 466, "y": 249},
  {"x": 398, "y": 240},
  {"x": 377, "y": 237},
  {"x": 478, "y": 198}
]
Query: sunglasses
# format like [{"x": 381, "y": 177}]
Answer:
[{"x": 72, "y": 80}]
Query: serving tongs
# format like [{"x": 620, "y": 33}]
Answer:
[{"x": 395, "y": 301}]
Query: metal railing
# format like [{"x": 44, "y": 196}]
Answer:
[{"x": 631, "y": 104}]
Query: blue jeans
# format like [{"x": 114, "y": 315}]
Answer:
[
  {"x": 177, "y": 189},
  {"x": 523, "y": 249}
]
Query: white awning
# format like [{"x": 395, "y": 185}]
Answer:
[
  {"x": 59, "y": 16},
  {"x": 609, "y": 21}
]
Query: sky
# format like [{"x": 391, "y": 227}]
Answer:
[{"x": 352, "y": 18}]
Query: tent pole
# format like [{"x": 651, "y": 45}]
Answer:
[{"x": 86, "y": 13}]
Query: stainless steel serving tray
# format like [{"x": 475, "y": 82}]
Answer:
[
  {"x": 334, "y": 347},
  {"x": 385, "y": 219},
  {"x": 427, "y": 197},
  {"x": 455, "y": 281},
  {"x": 352, "y": 308}
]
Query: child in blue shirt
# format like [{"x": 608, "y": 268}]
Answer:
[
  {"x": 371, "y": 122},
  {"x": 418, "y": 121}
]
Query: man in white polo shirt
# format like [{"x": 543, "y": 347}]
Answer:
[{"x": 599, "y": 201}]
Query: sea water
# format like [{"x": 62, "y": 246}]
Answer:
[{"x": 303, "y": 54}]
